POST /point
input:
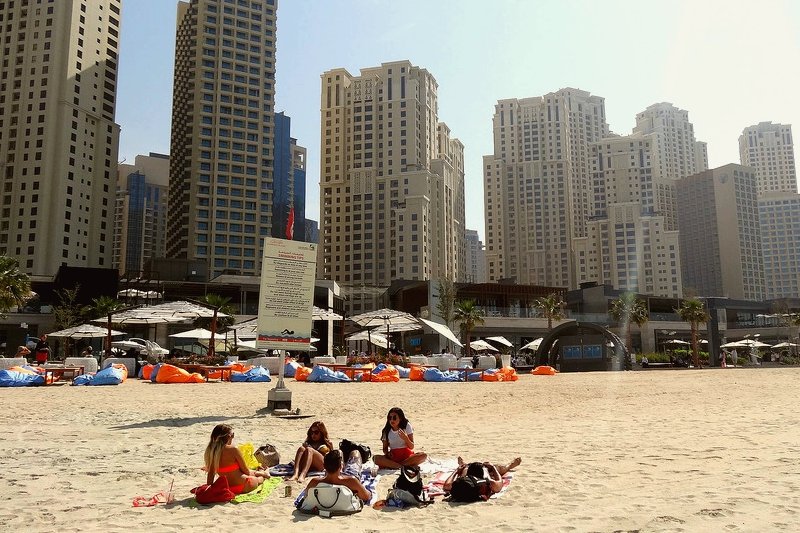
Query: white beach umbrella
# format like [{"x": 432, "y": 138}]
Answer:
[
  {"x": 442, "y": 330},
  {"x": 375, "y": 338},
  {"x": 785, "y": 345},
  {"x": 199, "y": 333},
  {"x": 84, "y": 331},
  {"x": 324, "y": 314},
  {"x": 482, "y": 345},
  {"x": 502, "y": 340},
  {"x": 677, "y": 341},
  {"x": 533, "y": 345}
]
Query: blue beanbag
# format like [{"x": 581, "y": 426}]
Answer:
[
  {"x": 83, "y": 379},
  {"x": 434, "y": 374},
  {"x": 323, "y": 374},
  {"x": 404, "y": 372},
  {"x": 107, "y": 376},
  {"x": 288, "y": 370},
  {"x": 255, "y": 374},
  {"x": 12, "y": 378},
  {"x": 154, "y": 373},
  {"x": 474, "y": 376}
]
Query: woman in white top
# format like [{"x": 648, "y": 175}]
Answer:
[{"x": 398, "y": 442}]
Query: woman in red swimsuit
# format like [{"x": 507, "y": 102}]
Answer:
[{"x": 225, "y": 459}]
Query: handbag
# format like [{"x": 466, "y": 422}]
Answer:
[
  {"x": 347, "y": 446},
  {"x": 330, "y": 500},
  {"x": 267, "y": 455},
  {"x": 408, "y": 487}
]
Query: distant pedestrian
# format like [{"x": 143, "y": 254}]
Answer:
[{"x": 42, "y": 350}]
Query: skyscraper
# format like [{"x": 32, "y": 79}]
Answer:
[
  {"x": 779, "y": 214},
  {"x": 536, "y": 185},
  {"x": 769, "y": 149},
  {"x": 627, "y": 244},
  {"x": 720, "y": 233},
  {"x": 476, "y": 258},
  {"x": 140, "y": 216},
  {"x": 392, "y": 182},
  {"x": 222, "y": 143},
  {"x": 289, "y": 188},
  {"x": 58, "y": 138}
]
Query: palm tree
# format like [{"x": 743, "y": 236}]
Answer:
[
  {"x": 105, "y": 307},
  {"x": 220, "y": 304},
  {"x": 629, "y": 309},
  {"x": 469, "y": 315},
  {"x": 15, "y": 286},
  {"x": 447, "y": 298},
  {"x": 550, "y": 307},
  {"x": 694, "y": 312}
]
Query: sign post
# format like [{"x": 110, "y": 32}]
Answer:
[{"x": 286, "y": 303}]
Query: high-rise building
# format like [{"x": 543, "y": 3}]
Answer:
[
  {"x": 769, "y": 149},
  {"x": 222, "y": 144},
  {"x": 536, "y": 185},
  {"x": 676, "y": 152},
  {"x": 392, "y": 182},
  {"x": 720, "y": 235},
  {"x": 779, "y": 214},
  {"x": 627, "y": 244},
  {"x": 58, "y": 138},
  {"x": 476, "y": 258},
  {"x": 140, "y": 212},
  {"x": 312, "y": 231},
  {"x": 289, "y": 188}
]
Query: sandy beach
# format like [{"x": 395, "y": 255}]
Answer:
[{"x": 673, "y": 450}]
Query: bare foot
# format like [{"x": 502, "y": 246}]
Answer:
[
  {"x": 515, "y": 463},
  {"x": 301, "y": 479},
  {"x": 460, "y": 461},
  {"x": 293, "y": 478}
]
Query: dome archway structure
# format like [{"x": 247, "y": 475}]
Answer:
[{"x": 582, "y": 347}]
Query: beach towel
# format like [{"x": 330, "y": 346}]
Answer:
[
  {"x": 287, "y": 469},
  {"x": 217, "y": 492},
  {"x": 249, "y": 454},
  {"x": 435, "y": 486},
  {"x": 368, "y": 479},
  {"x": 261, "y": 493}
]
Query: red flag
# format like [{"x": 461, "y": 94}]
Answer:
[{"x": 290, "y": 225}]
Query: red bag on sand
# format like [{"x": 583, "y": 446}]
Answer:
[
  {"x": 301, "y": 373},
  {"x": 217, "y": 492}
]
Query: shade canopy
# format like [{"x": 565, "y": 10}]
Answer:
[
  {"x": 375, "y": 338},
  {"x": 533, "y": 345},
  {"x": 84, "y": 331},
  {"x": 785, "y": 345},
  {"x": 676, "y": 341},
  {"x": 179, "y": 311},
  {"x": 387, "y": 319},
  {"x": 500, "y": 339},
  {"x": 199, "y": 333},
  {"x": 324, "y": 314},
  {"x": 482, "y": 345},
  {"x": 746, "y": 343},
  {"x": 442, "y": 330}
]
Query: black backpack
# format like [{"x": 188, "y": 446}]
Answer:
[
  {"x": 347, "y": 446},
  {"x": 470, "y": 489},
  {"x": 408, "y": 487}
]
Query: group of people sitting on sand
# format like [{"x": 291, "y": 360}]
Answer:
[{"x": 318, "y": 454}]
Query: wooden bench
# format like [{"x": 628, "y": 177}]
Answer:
[{"x": 55, "y": 373}]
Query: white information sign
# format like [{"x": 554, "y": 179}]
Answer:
[{"x": 286, "y": 300}]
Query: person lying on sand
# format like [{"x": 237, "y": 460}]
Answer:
[
  {"x": 225, "y": 459},
  {"x": 348, "y": 477},
  {"x": 486, "y": 470}
]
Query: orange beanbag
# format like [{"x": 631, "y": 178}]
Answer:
[
  {"x": 416, "y": 373},
  {"x": 544, "y": 371},
  {"x": 147, "y": 371},
  {"x": 23, "y": 370},
  {"x": 124, "y": 370},
  {"x": 504, "y": 374},
  {"x": 301, "y": 373},
  {"x": 173, "y": 374},
  {"x": 390, "y": 373}
]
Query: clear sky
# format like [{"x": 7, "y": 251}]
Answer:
[{"x": 730, "y": 63}]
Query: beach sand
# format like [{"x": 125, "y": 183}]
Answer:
[{"x": 665, "y": 450}]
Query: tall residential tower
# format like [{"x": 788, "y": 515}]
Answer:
[
  {"x": 392, "y": 182},
  {"x": 222, "y": 142},
  {"x": 58, "y": 138},
  {"x": 769, "y": 149}
]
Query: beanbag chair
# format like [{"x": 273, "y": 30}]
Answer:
[
  {"x": 385, "y": 373},
  {"x": 290, "y": 368},
  {"x": 255, "y": 374},
  {"x": 112, "y": 375},
  {"x": 301, "y": 373},
  {"x": 323, "y": 374},
  {"x": 17, "y": 378},
  {"x": 217, "y": 492},
  {"x": 173, "y": 374},
  {"x": 403, "y": 371},
  {"x": 154, "y": 372},
  {"x": 146, "y": 371},
  {"x": 434, "y": 374},
  {"x": 544, "y": 371},
  {"x": 500, "y": 374},
  {"x": 416, "y": 373}
]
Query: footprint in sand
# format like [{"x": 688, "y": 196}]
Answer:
[{"x": 714, "y": 513}]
